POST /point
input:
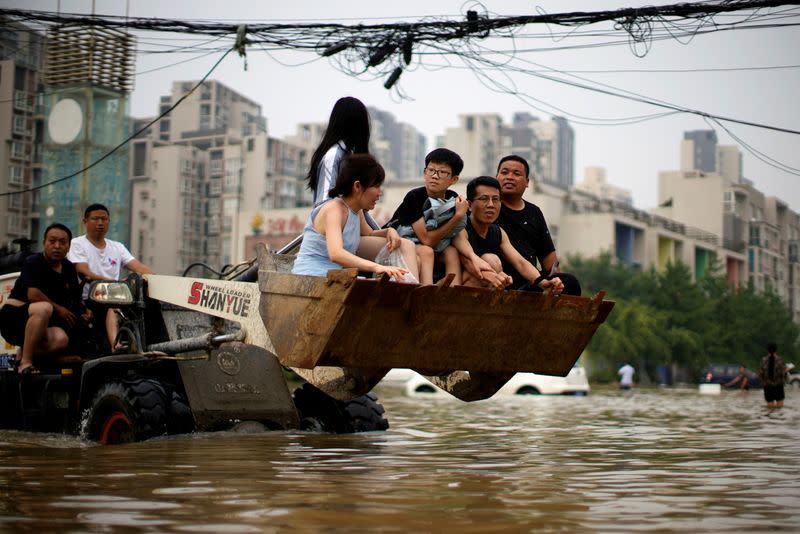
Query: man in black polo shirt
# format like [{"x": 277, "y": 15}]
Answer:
[{"x": 525, "y": 225}]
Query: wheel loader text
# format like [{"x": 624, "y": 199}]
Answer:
[{"x": 219, "y": 298}]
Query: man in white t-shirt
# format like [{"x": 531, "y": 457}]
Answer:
[
  {"x": 98, "y": 258},
  {"x": 626, "y": 376}
]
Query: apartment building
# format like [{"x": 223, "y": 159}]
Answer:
[
  {"x": 591, "y": 225},
  {"x": 216, "y": 146},
  {"x": 21, "y": 132},
  {"x": 481, "y": 139},
  {"x": 722, "y": 201},
  {"x": 407, "y": 147},
  {"x": 478, "y": 139}
]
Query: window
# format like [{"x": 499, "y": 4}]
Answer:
[
  {"x": 17, "y": 150},
  {"x": 19, "y": 125},
  {"x": 728, "y": 202},
  {"x": 15, "y": 175},
  {"x": 139, "y": 159},
  {"x": 755, "y": 235},
  {"x": 16, "y": 223},
  {"x": 251, "y": 143},
  {"x": 20, "y": 101}
]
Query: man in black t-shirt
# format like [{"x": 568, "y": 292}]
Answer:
[
  {"x": 44, "y": 306},
  {"x": 491, "y": 243},
  {"x": 525, "y": 225}
]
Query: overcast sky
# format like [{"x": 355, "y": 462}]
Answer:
[{"x": 632, "y": 154}]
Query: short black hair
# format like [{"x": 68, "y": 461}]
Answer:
[
  {"x": 58, "y": 226},
  {"x": 473, "y": 184},
  {"x": 446, "y": 157},
  {"x": 772, "y": 347},
  {"x": 95, "y": 207},
  {"x": 520, "y": 159}
]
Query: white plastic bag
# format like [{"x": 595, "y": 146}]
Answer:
[{"x": 395, "y": 259}]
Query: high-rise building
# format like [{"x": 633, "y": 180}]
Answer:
[
  {"x": 406, "y": 146},
  {"x": 88, "y": 74},
  {"x": 216, "y": 144},
  {"x": 21, "y": 132},
  {"x": 699, "y": 151},
  {"x": 478, "y": 139},
  {"x": 548, "y": 145}
]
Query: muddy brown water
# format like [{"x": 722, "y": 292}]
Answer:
[{"x": 654, "y": 460}]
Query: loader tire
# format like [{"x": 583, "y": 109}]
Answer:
[
  {"x": 366, "y": 413},
  {"x": 180, "y": 419},
  {"x": 127, "y": 411},
  {"x": 319, "y": 411}
]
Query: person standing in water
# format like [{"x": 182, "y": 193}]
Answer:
[
  {"x": 773, "y": 376},
  {"x": 626, "y": 376}
]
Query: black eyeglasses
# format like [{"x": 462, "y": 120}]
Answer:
[{"x": 441, "y": 173}]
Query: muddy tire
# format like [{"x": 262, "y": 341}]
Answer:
[
  {"x": 320, "y": 412},
  {"x": 127, "y": 411}
]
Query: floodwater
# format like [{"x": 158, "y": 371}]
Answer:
[{"x": 654, "y": 460}]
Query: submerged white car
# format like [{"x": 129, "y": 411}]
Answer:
[{"x": 575, "y": 383}]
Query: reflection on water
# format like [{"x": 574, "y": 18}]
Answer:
[{"x": 651, "y": 460}]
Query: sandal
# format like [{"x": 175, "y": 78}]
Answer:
[{"x": 29, "y": 370}]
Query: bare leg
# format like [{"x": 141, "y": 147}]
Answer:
[
  {"x": 369, "y": 246},
  {"x": 112, "y": 328},
  {"x": 469, "y": 280},
  {"x": 452, "y": 264},
  {"x": 39, "y": 339},
  {"x": 425, "y": 255},
  {"x": 39, "y": 314},
  {"x": 409, "y": 252}
]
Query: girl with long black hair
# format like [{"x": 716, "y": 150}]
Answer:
[{"x": 347, "y": 132}]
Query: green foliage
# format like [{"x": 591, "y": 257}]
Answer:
[{"x": 663, "y": 318}]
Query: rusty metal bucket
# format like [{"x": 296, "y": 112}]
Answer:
[{"x": 345, "y": 321}]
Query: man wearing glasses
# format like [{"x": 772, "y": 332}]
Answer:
[
  {"x": 525, "y": 225},
  {"x": 98, "y": 258},
  {"x": 491, "y": 243}
]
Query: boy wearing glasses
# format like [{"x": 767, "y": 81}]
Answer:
[
  {"x": 434, "y": 216},
  {"x": 491, "y": 243}
]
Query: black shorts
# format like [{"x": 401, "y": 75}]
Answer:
[
  {"x": 773, "y": 393},
  {"x": 12, "y": 323},
  {"x": 14, "y": 318}
]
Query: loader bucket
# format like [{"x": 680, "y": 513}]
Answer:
[{"x": 345, "y": 321}]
